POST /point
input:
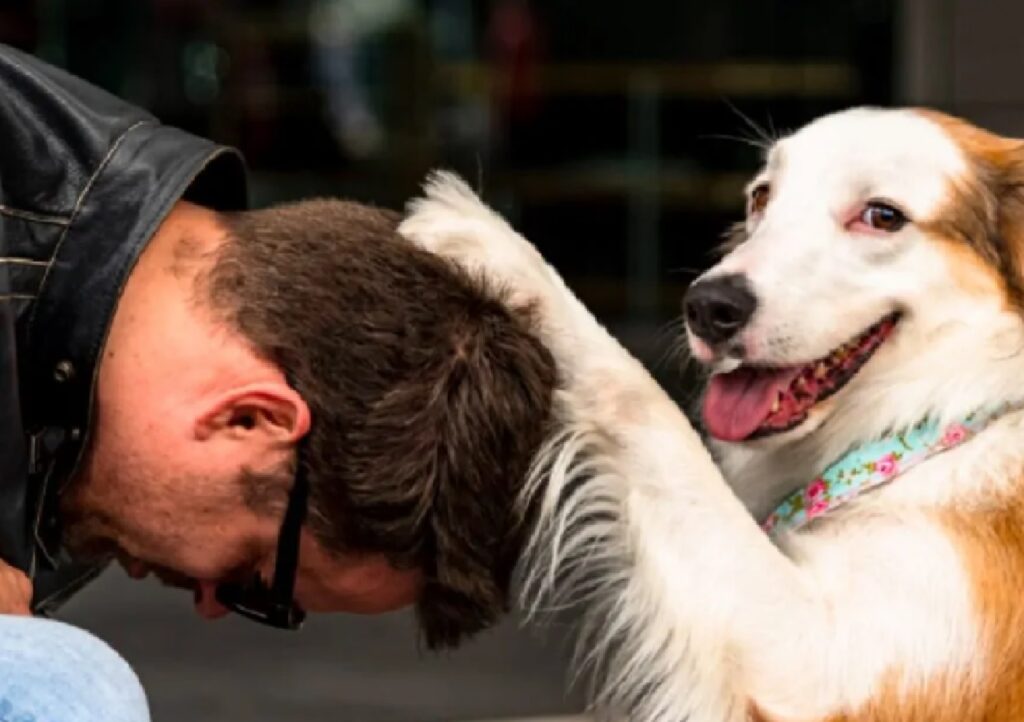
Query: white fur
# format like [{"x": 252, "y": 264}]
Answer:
[{"x": 690, "y": 611}]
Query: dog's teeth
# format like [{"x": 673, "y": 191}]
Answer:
[
  {"x": 820, "y": 371},
  {"x": 776, "y": 404}
]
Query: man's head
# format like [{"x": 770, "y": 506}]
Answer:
[{"x": 422, "y": 396}]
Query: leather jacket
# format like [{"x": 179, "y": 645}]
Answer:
[{"x": 85, "y": 180}]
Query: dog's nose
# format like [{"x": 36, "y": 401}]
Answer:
[{"x": 718, "y": 308}]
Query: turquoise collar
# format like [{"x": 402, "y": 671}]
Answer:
[{"x": 873, "y": 464}]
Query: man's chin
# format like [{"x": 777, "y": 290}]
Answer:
[
  {"x": 86, "y": 546},
  {"x": 133, "y": 567},
  {"x": 173, "y": 579},
  {"x": 95, "y": 550},
  {"x": 138, "y": 569},
  {"x": 204, "y": 593}
]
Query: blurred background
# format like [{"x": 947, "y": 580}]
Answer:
[{"x": 615, "y": 134}]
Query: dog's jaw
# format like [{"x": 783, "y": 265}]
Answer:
[{"x": 753, "y": 401}]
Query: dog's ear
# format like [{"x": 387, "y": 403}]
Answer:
[
  {"x": 989, "y": 202},
  {"x": 999, "y": 164},
  {"x": 1009, "y": 243}
]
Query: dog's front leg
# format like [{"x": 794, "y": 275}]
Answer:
[{"x": 702, "y": 615}]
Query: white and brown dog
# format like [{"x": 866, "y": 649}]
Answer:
[{"x": 865, "y": 338}]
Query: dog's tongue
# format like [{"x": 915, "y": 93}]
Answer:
[{"x": 738, "y": 403}]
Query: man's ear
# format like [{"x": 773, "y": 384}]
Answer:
[{"x": 270, "y": 409}]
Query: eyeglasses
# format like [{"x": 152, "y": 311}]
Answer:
[{"x": 275, "y": 605}]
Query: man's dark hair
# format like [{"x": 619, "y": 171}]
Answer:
[{"x": 429, "y": 395}]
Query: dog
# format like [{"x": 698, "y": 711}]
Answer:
[{"x": 846, "y": 542}]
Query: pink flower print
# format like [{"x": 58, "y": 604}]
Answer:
[
  {"x": 818, "y": 508},
  {"x": 954, "y": 435},
  {"x": 887, "y": 465},
  {"x": 816, "y": 489}
]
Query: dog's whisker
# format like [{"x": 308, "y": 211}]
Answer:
[
  {"x": 673, "y": 324},
  {"x": 677, "y": 355},
  {"x": 763, "y": 134},
  {"x": 758, "y": 143},
  {"x": 671, "y": 340},
  {"x": 772, "y": 129}
]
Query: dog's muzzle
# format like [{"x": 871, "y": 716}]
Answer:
[{"x": 717, "y": 309}]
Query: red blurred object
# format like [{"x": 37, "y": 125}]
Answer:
[{"x": 515, "y": 45}]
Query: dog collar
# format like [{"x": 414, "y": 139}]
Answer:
[{"x": 874, "y": 464}]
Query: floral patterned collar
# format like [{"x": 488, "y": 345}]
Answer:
[{"x": 873, "y": 464}]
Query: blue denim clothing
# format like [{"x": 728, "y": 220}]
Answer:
[{"x": 53, "y": 672}]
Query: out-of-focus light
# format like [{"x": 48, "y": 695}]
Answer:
[{"x": 204, "y": 64}]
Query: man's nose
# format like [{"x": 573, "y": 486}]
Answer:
[{"x": 716, "y": 309}]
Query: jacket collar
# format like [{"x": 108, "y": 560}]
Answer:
[{"x": 147, "y": 170}]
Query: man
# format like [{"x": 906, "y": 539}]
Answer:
[{"x": 281, "y": 410}]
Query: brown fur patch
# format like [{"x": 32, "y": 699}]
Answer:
[
  {"x": 941, "y": 701},
  {"x": 990, "y": 536},
  {"x": 991, "y": 541},
  {"x": 986, "y": 209},
  {"x": 971, "y": 272},
  {"x": 754, "y": 714}
]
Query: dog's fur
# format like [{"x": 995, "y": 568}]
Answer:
[{"x": 903, "y": 606}]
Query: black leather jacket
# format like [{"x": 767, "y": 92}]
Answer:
[{"x": 85, "y": 179}]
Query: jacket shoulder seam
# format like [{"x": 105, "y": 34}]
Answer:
[{"x": 81, "y": 197}]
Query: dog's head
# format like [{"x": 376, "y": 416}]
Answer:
[{"x": 876, "y": 280}]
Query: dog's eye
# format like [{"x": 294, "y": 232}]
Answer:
[
  {"x": 759, "y": 198},
  {"x": 883, "y": 217}
]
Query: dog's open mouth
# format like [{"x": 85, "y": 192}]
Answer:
[{"x": 755, "y": 401}]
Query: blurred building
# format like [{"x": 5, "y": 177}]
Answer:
[{"x": 601, "y": 127}]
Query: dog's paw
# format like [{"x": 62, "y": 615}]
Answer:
[{"x": 451, "y": 221}]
